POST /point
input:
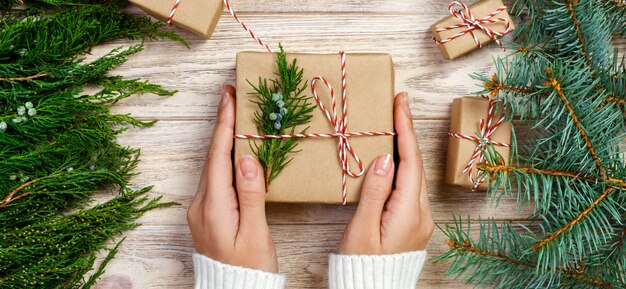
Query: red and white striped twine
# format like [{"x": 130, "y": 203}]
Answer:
[
  {"x": 172, "y": 12},
  {"x": 487, "y": 128},
  {"x": 340, "y": 127},
  {"x": 471, "y": 24},
  {"x": 232, "y": 12}
]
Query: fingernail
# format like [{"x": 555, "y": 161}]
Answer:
[
  {"x": 248, "y": 167},
  {"x": 405, "y": 104},
  {"x": 383, "y": 165},
  {"x": 224, "y": 100}
]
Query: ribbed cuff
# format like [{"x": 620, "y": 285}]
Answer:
[
  {"x": 395, "y": 271},
  {"x": 211, "y": 274}
]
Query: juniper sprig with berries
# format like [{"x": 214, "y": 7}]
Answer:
[
  {"x": 57, "y": 143},
  {"x": 283, "y": 109},
  {"x": 567, "y": 83}
]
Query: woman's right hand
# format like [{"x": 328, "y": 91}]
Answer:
[{"x": 389, "y": 222}]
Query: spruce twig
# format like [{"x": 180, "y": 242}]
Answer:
[{"x": 570, "y": 164}]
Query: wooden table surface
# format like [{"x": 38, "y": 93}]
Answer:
[{"x": 158, "y": 254}]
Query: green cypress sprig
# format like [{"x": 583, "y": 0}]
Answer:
[
  {"x": 57, "y": 143},
  {"x": 283, "y": 109},
  {"x": 57, "y": 253}
]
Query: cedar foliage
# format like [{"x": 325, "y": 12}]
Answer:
[
  {"x": 274, "y": 154},
  {"x": 57, "y": 143},
  {"x": 567, "y": 82}
]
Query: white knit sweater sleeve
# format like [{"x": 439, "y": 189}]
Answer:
[
  {"x": 395, "y": 271},
  {"x": 211, "y": 274}
]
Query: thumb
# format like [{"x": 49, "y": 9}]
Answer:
[
  {"x": 251, "y": 193},
  {"x": 374, "y": 193}
]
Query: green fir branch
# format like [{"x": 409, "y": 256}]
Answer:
[
  {"x": 498, "y": 259},
  {"x": 566, "y": 83},
  {"x": 288, "y": 90}
]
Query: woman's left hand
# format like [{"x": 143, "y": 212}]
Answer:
[{"x": 228, "y": 224}]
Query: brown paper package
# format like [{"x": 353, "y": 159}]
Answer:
[
  {"x": 465, "y": 43},
  {"x": 197, "y": 16},
  {"x": 465, "y": 119},
  {"x": 314, "y": 175}
]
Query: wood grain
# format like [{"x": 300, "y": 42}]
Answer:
[
  {"x": 173, "y": 166},
  {"x": 198, "y": 73},
  {"x": 158, "y": 254}
]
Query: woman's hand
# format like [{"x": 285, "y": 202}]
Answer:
[
  {"x": 402, "y": 221},
  {"x": 228, "y": 224}
]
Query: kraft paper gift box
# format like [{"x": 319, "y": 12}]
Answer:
[
  {"x": 465, "y": 43},
  {"x": 465, "y": 120},
  {"x": 197, "y": 16},
  {"x": 314, "y": 175}
]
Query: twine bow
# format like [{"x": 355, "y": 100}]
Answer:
[
  {"x": 471, "y": 24},
  {"x": 339, "y": 125},
  {"x": 486, "y": 129}
]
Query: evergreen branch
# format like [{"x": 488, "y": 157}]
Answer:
[
  {"x": 570, "y": 163},
  {"x": 48, "y": 254},
  {"x": 549, "y": 238},
  {"x": 38, "y": 75},
  {"x": 498, "y": 259},
  {"x": 579, "y": 33},
  {"x": 613, "y": 253},
  {"x": 496, "y": 86},
  {"x": 9, "y": 198},
  {"x": 553, "y": 82},
  {"x": 96, "y": 275},
  {"x": 283, "y": 109},
  {"x": 565, "y": 206},
  {"x": 581, "y": 39},
  {"x": 8, "y": 6},
  {"x": 57, "y": 144},
  {"x": 577, "y": 30},
  {"x": 467, "y": 247},
  {"x": 610, "y": 182},
  {"x": 617, "y": 10}
]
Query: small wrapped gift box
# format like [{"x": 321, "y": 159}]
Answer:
[
  {"x": 315, "y": 174},
  {"x": 197, "y": 16},
  {"x": 474, "y": 120},
  {"x": 469, "y": 28}
]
